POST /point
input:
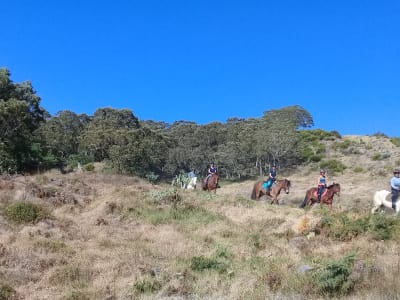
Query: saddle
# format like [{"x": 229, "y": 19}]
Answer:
[
  {"x": 315, "y": 194},
  {"x": 267, "y": 184}
]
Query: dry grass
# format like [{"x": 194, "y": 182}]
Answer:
[{"x": 116, "y": 237}]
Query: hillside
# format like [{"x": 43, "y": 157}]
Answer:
[{"x": 99, "y": 236}]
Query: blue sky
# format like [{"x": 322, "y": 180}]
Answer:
[{"x": 206, "y": 61}]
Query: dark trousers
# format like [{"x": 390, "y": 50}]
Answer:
[
  {"x": 320, "y": 190},
  {"x": 395, "y": 195}
]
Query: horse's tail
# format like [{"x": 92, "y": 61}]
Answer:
[
  {"x": 304, "y": 203},
  {"x": 253, "y": 195}
]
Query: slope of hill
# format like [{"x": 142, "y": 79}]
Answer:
[{"x": 99, "y": 236}]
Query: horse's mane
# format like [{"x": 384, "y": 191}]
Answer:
[{"x": 332, "y": 185}]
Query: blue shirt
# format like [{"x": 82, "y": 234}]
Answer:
[
  {"x": 191, "y": 174},
  {"x": 395, "y": 183}
]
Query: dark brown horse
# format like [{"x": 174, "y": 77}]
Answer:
[
  {"x": 277, "y": 187},
  {"x": 212, "y": 183},
  {"x": 326, "y": 197}
]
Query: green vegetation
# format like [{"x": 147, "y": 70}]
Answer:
[
  {"x": 25, "y": 212},
  {"x": 333, "y": 166},
  {"x": 333, "y": 276},
  {"x": 147, "y": 286},
  {"x": 344, "y": 227},
  {"x": 6, "y": 291},
  {"x": 201, "y": 263},
  {"x": 395, "y": 141}
]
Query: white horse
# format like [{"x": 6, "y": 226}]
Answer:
[
  {"x": 380, "y": 201},
  {"x": 192, "y": 183}
]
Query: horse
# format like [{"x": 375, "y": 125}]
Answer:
[
  {"x": 192, "y": 183},
  {"x": 380, "y": 201},
  {"x": 212, "y": 183},
  {"x": 326, "y": 197},
  {"x": 258, "y": 190}
]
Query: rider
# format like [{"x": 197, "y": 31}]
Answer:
[
  {"x": 322, "y": 184},
  {"x": 271, "y": 177},
  {"x": 211, "y": 170},
  {"x": 192, "y": 173},
  {"x": 395, "y": 185}
]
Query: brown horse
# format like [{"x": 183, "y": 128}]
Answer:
[
  {"x": 212, "y": 183},
  {"x": 326, "y": 197},
  {"x": 259, "y": 190}
]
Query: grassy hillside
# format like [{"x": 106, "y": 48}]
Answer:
[{"x": 96, "y": 236}]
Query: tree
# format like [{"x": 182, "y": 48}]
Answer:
[
  {"x": 20, "y": 116},
  {"x": 59, "y": 135},
  {"x": 107, "y": 129}
]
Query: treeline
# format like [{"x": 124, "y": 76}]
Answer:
[{"x": 31, "y": 139}]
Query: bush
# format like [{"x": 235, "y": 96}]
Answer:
[
  {"x": 89, "y": 167},
  {"x": 342, "y": 145},
  {"x": 6, "y": 291},
  {"x": 343, "y": 228},
  {"x": 146, "y": 286},
  {"x": 395, "y": 141},
  {"x": 333, "y": 166},
  {"x": 201, "y": 263},
  {"x": 383, "y": 228},
  {"x": 333, "y": 278},
  {"x": 380, "y": 156},
  {"x": 152, "y": 177},
  {"x": 166, "y": 196},
  {"x": 25, "y": 212},
  {"x": 380, "y": 134}
]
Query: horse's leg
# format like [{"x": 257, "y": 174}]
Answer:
[{"x": 304, "y": 203}]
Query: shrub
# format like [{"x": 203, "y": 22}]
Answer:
[
  {"x": 201, "y": 263},
  {"x": 6, "y": 291},
  {"x": 333, "y": 278},
  {"x": 343, "y": 228},
  {"x": 71, "y": 276},
  {"x": 166, "y": 196},
  {"x": 152, "y": 177},
  {"x": 380, "y": 134},
  {"x": 383, "y": 228},
  {"x": 395, "y": 141},
  {"x": 333, "y": 166},
  {"x": 380, "y": 156},
  {"x": 147, "y": 286},
  {"x": 318, "y": 134},
  {"x": 89, "y": 167},
  {"x": 24, "y": 212},
  {"x": 181, "y": 180},
  {"x": 342, "y": 145},
  {"x": 358, "y": 169},
  {"x": 76, "y": 295}
]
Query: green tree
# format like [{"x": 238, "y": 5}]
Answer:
[
  {"x": 59, "y": 136},
  {"x": 20, "y": 116},
  {"x": 106, "y": 129}
]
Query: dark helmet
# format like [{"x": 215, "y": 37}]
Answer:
[{"x": 322, "y": 171}]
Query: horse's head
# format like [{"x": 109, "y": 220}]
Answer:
[
  {"x": 335, "y": 188},
  {"x": 287, "y": 186}
]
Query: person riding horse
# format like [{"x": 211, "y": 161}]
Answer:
[
  {"x": 395, "y": 187},
  {"x": 211, "y": 170},
  {"x": 322, "y": 184},
  {"x": 271, "y": 179}
]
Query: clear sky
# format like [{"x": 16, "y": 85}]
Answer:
[{"x": 205, "y": 61}]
